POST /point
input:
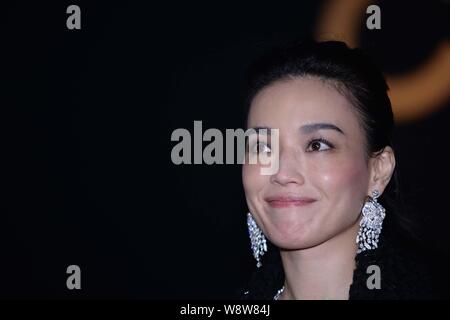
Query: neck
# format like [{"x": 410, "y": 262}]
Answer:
[{"x": 321, "y": 272}]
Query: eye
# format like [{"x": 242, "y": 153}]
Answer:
[
  {"x": 260, "y": 147},
  {"x": 320, "y": 145}
]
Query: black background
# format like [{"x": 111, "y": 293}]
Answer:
[{"x": 88, "y": 115}]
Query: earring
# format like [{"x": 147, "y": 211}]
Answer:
[
  {"x": 257, "y": 239},
  {"x": 370, "y": 224}
]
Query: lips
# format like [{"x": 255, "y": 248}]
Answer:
[{"x": 288, "y": 201}]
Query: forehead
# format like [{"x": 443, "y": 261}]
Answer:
[{"x": 293, "y": 102}]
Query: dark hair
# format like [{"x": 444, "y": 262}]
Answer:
[{"x": 355, "y": 76}]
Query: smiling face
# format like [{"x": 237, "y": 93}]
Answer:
[{"x": 323, "y": 176}]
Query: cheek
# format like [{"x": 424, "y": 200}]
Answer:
[
  {"x": 349, "y": 177},
  {"x": 252, "y": 178}
]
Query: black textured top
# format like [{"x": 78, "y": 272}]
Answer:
[{"x": 404, "y": 272}]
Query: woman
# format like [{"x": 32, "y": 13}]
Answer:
[{"x": 329, "y": 213}]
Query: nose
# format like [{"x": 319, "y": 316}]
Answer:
[{"x": 289, "y": 170}]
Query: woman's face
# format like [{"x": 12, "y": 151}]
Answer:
[{"x": 320, "y": 186}]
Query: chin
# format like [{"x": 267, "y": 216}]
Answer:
[
  {"x": 293, "y": 238},
  {"x": 295, "y": 244}
]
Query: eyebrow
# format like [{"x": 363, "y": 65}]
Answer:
[
  {"x": 259, "y": 129},
  {"x": 309, "y": 128}
]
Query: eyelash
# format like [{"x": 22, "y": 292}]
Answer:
[
  {"x": 256, "y": 145},
  {"x": 322, "y": 140}
]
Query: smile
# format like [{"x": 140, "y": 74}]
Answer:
[{"x": 284, "y": 202}]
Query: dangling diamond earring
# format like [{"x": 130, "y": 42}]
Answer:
[
  {"x": 257, "y": 239},
  {"x": 370, "y": 224}
]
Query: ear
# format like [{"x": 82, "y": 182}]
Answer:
[{"x": 381, "y": 169}]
